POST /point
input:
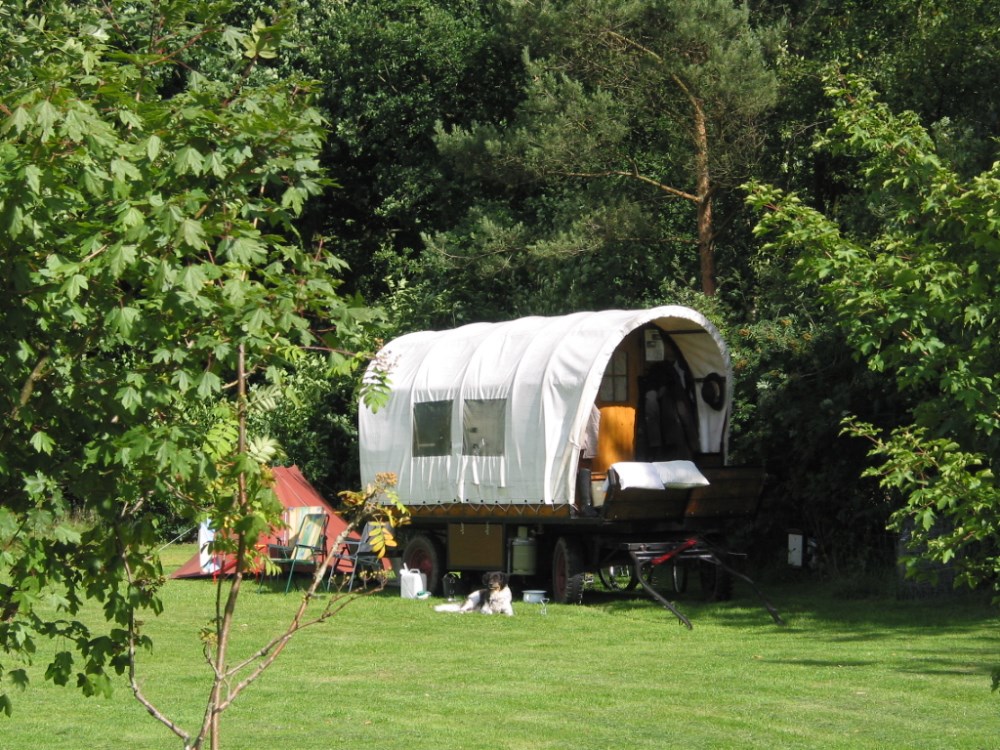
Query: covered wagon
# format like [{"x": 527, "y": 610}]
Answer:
[{"x": 555, "y": 448}]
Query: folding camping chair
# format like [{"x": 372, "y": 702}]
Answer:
[
  {"x": 307, "y": 547},
  {"x": 359, "y": 553}
]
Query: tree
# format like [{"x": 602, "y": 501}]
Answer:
[
  {"x": 388, "y": 70},
  {"x": 937, "y": 58},
  {"x": 916, "y": 295},
  {"x": 668, "y": 95},
  {"x": 151, "y": 169}
]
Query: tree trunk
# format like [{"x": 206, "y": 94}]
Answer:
[
  {"x": 225, "y": 624},
  {"x": 706, "y": 235},
  {"x": 703, "y": 191}
]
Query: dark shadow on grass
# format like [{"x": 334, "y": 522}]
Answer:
[
  {"x": 941, "y": 667},
  {"x": 823, "y": 663},
  {"x": 690, "y": 605},
  {"x": 815, "y": 608}
]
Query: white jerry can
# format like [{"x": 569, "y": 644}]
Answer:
[{"x": 411, "y": 583}]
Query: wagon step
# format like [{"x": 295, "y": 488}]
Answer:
[{"x": 651, "y": 554}]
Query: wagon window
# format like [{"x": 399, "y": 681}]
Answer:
[
  {"x": 432, "y": 428},
  {"x": 483, "y": 426},
  {"x": 614, "y": 384}
]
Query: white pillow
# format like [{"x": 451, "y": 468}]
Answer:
[
  {"x": 637, "y": 475},
  {"x": 679, "y": 475}
]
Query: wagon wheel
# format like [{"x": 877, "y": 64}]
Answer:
[
  {"x": 425, "y": 553},
  {"x": 568, "y": 574},
  {"x": 672, "y": 576},
  {"x": 620, "y": 577},
  {"x": 716, "y": 583},
  {"x": 679, "y": 577}
]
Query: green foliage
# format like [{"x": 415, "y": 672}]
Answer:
[
  {"x": 389, "y": 71},
  {"x": 150, "y": 174},
  {"x": 951, "y": 500},
  {"x": 916, "y": 299},
  {"x": 601, "y": 172},
  {"x": 938, "y": 59},
  {"x": 312, "y": 416},
  {"x": 795, "y": 382}
]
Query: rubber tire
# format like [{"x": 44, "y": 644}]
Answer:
[
  {"x": 619, "y": 577},
  {"x": 716, "y": 583},
  {"x": 568, "y": 573},
  {"x": 679, "y": 578},
  {"x": 426, "y": 554}
]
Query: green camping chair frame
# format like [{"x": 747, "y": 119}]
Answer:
[{"x": 308, "y": 548}]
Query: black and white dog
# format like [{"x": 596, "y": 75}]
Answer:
[{"x": 494, "y": 599}]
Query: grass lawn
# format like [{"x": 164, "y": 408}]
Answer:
[{"x": 619, "y": 672}]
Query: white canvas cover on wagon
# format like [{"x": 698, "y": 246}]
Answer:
[{"x": 498, "y": 412}]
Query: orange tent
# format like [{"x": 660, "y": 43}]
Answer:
[{"x": 295, "y": 494}]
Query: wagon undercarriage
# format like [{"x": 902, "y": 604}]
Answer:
[
  {"x": 561, "y": 549},
  {"x": 645, "y": 556}
]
